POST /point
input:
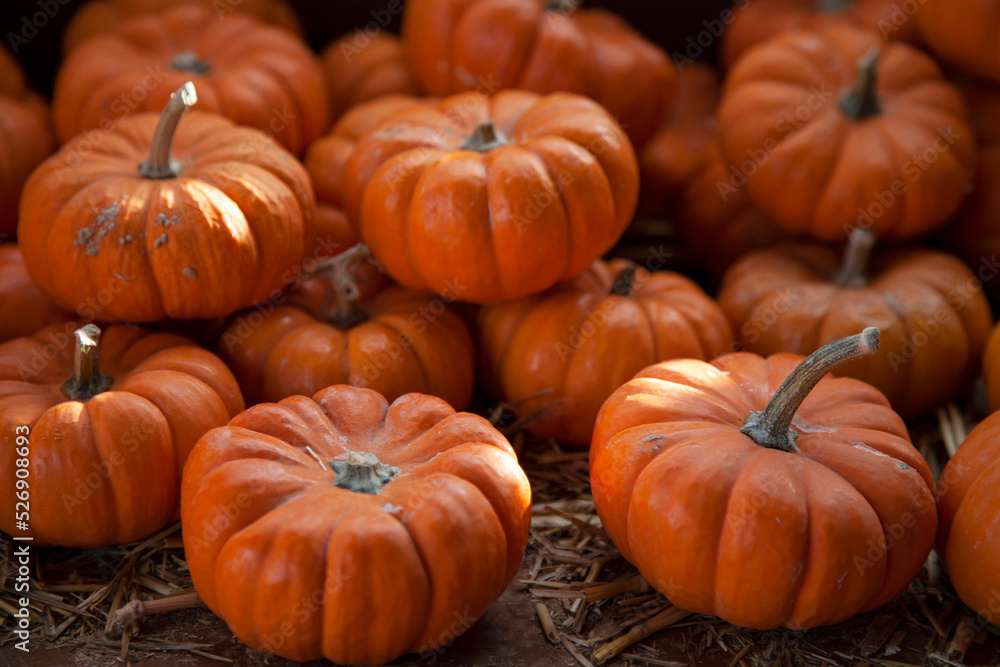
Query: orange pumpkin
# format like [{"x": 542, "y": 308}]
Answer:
[
  {"x": 135, "y": 232},
  {"x": 101, "y": 16},
  {"x": 991, "y": 370},
  {"x": 252, "y": 73},
  {"x": 356, "y": 74},
  {"x": 105, "y": 424},
  {"x": 834, "y": 130},
  {"x": 761, "y": 491},
  {"x": 571, "y": 347},
  {"x": 417, "y": 512},
  {"x": 395, "y": 342},
  {"x": 488, "y": 199},
  {"x": 23, "y": 309},
  {"x": 934, "y": 318},
  {"x": 25, "y": 137},
  {"x": 962, "y": 33},
  {"x": 541, "y": 46}
]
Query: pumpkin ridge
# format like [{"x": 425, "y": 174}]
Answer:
[
  {"x": 560, "y": 191},
  {"x": 741, "y": 456}
]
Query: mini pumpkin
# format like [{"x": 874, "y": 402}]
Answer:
[
  {"x": 541, "y": 46},
  {"x": 962, "y": 33},
  {"x": 934, "y": 319},
  {"x": 167, "y": 218},
  {"x": 23, "y": 309},
  {"x": 833, "y": 130},
  {"x": 108, "y": 421},
  {"x": 356, "y": 74},
  {"x": 252, "y": 73},
  {"x": 760, "y": 490},
  {"x": 488, "y": 199},
  {"x": 396, "y": 525},
  {"x": 25, "y": 137},
  {"x": 565, "y": 351}
]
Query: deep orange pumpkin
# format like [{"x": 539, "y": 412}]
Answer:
[
  {"x": 991, "y": 369},
  {"x": 252, "y": 73},
  {"x": 544, "y": 47},
  {"x": 572, "y": 346},
  {"x": 739, "y": 499},
  {"x": 933, "y": 317},
  {"x": 136, "y": 233},
  {"x": 23, "y": 309},
  {"x": 356, "y": 74},
  {"x": 963, "y": 33},
  {"x": 487, "y": 199},
  {"x": 835, "y": 130},
  {"x": 107, "y": 438},
  {"x": 415, "y": 525}
]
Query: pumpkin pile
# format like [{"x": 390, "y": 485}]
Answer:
[{"x": 369, "y": 238}]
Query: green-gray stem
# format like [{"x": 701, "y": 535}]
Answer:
[
  {"x": 854, "y": 270},
  {"x": 861, "y": 101},
  {"x": 484, "y": 138},
  {"x": 339, "y": 271},
  {"x": 362, "y": 472},
  {"x": 188, "y": 61},
  {"x": 87, "y": 380},
  {"x": 159, "y": 164},
  {"x": 624, "y": 282},
  {"x": 833, "y": 6}
]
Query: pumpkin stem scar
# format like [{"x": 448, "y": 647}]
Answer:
[
  {"x": 854, "y": 271},
  {"x": 771, "y": 428},
  {"x": 339, "y": 271},
  {"x": 484, "y": 138},
  {"x": 159, "y": 164},
  {"x": 87, "y": 380},
  {"x": 624, "y": 282},
  {"x": 362, "y": 472},
  {"x": 861, "y": 101}
]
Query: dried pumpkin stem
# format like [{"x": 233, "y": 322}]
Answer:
[
  {"x": 138, "y": 608},
  {"x": 772, "y": 427},
  {"x": 87, "y": 380},
  {"x": 159, "y": 164},
  {"x": 854, "y": 271},
  {"x": 861, "y": 101},
  {"x": 624, "y": 282},
  {"x": 339, "y": 271},
  {"x": 362, "y": 472},
  {"x": 484, "y": 138}
]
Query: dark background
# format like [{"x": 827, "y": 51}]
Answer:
[{"x": 668, "y": 22}]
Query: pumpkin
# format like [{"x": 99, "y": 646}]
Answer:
[
  {"x": 759, "y": 490},
  {"x": 968, "y": 511},
  {"x": 962, "y": 33},
  {"x": 718, "y": 222},
  {"x": 488, "y": 199},
  {"x": 101, "y": 16},
  {"x": 25, "y": 137},
  {"x": 991, "y": 370},
  {"x": 356, "y": 74},
  {"x": 23, "y": 309},
  {"x": 678, "y": 149},
  {"x": 105, "y": 422},
  {"x": 934, "y": 319},
  {"x": 252, "y": 73},
  {"x": 834, "y": 130},
  {"x": 760, "y": 20},
  {"x": 395, "y": 342},
  {"x": 167, "y": 218},
  {"x": 359, "y": 530},
  {"x": 566, "y": 350},
  {"x": 541, "y": 46}
]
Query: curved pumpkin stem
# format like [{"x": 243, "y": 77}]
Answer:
[
  {"x": 339, "y": 271},
  {"x": 362, "y": 472},
  {"x": 484, "y": 138},
  {"x": 861, "y": 101},
  {"x": 772, "y": 427},
  {"x": 624, "y": 282},
  {"x": 159, "y": 164},
  {"x": 87, "y": 380},
  {"x": 854, "y": 271}
]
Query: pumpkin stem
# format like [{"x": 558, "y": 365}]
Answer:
[
  {"x": 362, "y": 472},
  {"x": 87, "y": 380},
  {"x": 624, "y": 282},
  {"x": 861, "y": 101},
  {"x": 188, "y": 61},
  {"x": 339, "y": 271},
  {"x": 484, "y": 138},
  {"x": 159, "y": 164},
  {"x": 832, "y": 6},
  {"x": 772, "y": 427},
  {"x": 565, "y": 7},
  {"x": 854, "y": 271}
]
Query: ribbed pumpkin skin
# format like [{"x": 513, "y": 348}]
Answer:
[
  {"x": 258, "y": 75},
  {"x": 231, "y": 230},
  {"x": 23, "y": 309},
  {"x": 969, "y": 511},
  {"x": 761, "y": 537},
  {"x": 106, "y": 471},
  {"x": 933, "y": 326},
  {"x": 26, "y": 137},
  {"x": 499, "y": 225},
  {"x": 100, "y": 16},
  {"x": 822, "y": 173},
  {"x": 577, "y": 343},
  {"x": 963, "y": 33},
  {"x": 446, "y": 535},
  {"x": 491, "y": 45},
  {"x": 409, "y": 342},
  {"x": 355, "y": 75}
]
